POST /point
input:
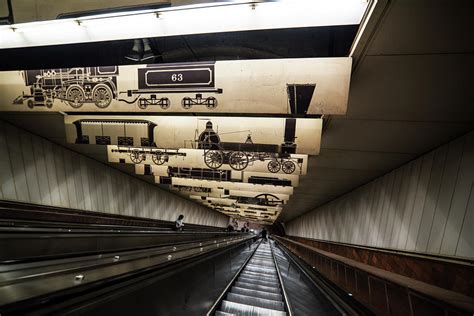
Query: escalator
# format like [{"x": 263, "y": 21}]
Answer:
[{"x": 257, "y": 289}]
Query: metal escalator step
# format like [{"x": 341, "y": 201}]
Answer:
[
  {"x": 262, "y": 255},
  {"x": 264, "y": 260},
  {"x": 221, "y": 313},
  {"x": 255, "y": 293},
  {"x": 261, "y": 270},
  {"x": 263, "y": 265},
  {"x": 259, "y": 282},
  {"x": 255, "y": 301},
  {"x": 262, "y": 277},
  {"x": 248, "y": 310},
  {"x": 258, "y": 287},
  {"x": 269, "y": 258},
  {"x": 254, "y": 275}
]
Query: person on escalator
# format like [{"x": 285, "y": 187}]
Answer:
[
  {"x": 264, "y": 235},
  {"x": 178, "y": 224}
]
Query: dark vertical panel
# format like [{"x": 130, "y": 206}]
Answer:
[
  {"x": 7, "y": 181},
  {"x": 378, "y": 296},
  {"x": 399, "y": 303},
  {"x": 421, "y": 306}
]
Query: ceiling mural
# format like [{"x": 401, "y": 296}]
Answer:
[
  {"x": 206, "y": 158},
  {"x": 301, "y": 86},
  {"x": 218, "y": 175},
  {"x": 234, "y": 136}
]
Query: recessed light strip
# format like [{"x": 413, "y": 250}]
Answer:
[{"x": 203, "y": 19}]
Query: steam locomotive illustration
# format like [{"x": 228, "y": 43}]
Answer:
[
  {"x": 140, "y": 133},
  {"x": 75, "y": 86},
  {"x": 98, "y": 85},
  {"x": 239, "y": 155},
  {"x": 157, "y": 80}
]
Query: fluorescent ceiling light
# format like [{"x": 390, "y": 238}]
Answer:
[{"x": 196, "y": 19}]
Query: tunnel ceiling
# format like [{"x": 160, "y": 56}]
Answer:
[{"x": 386, "y": 122}]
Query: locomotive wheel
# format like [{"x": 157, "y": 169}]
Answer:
[
  {"x": 49, "y": 103},
  {"x": 142, "y": 103},
  {"x": 273, "y": 166},
  {"x": 211, "y": 103},
  {"x": 136, "y": 157},
  {"x": 187, "y": 103},
  {"x": 269, "y": 199},
  {"x": 238, "y": 160},
  {"x": 213, "y": 159},
  {"x": 31, "y": 104},
  {"x": 165, "y": 103},
  {"x": 158, "y": 158},
  {"x": 102, "y": 95},
  {"x": 75, "y": 96},
  {"x": 288, "y": 167}
]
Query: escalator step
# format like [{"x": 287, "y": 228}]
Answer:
[
  {"x": 259, "y": 261},
  {"x": 251, "y": 274},
  {"x": 250, "y": 278},
  {"x": 255, "y": 301},
  {"x": 259, "y": 282},
  {"x": 255, "y": 293},
  {"x": 248, "y": 310},
  {"x": 221, "y": 313},
  {"x": 261, "y": 270},
  {"x": 266, "y": 265},
  {"x": 258, "y": 287}
]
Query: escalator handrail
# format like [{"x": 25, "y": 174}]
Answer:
[
  {"x": 285, "y": 296},
  {"x": 332, "y": 297}
]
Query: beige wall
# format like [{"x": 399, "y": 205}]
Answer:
[
  {"x": 424, "y": 206},
  {"x": 33, "y": 169}
]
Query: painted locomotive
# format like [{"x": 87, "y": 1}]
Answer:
[
  {"x": 75, "y": 86},
  {"x": 239, "y": 155},
  {"x": 140, "y": 134}
]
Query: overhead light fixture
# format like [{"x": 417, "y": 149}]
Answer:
[{"x": 185, "y": 20}]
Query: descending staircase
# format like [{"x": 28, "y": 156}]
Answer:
[{"x": 257, "y": 290}]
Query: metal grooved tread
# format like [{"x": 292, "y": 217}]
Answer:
[{"x": 257, "y": 290}]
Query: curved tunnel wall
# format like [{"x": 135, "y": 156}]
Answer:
[
  {"x": 35, "y": 170},
  {"x": 425, "y": 206}
]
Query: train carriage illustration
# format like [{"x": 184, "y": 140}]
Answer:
[
  {"x": 155, "y": 81},
  {"x": 75, "y": 86},
  {"x": 115, "y": 131}
]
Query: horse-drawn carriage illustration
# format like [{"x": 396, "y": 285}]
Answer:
[
  {"x": 75, "y": 86},
  {"x": 240, "y": 155}
]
